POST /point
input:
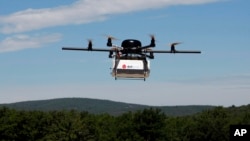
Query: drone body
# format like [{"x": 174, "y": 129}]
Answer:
[{"x": 130, "y": 60}]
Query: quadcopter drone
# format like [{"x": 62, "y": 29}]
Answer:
[{"x": 130, "y": 60}]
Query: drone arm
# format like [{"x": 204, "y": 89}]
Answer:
[
  {"x": 169, "y": 51},
  {"x": 87, "y": 49},
  {"x": 145, "y": 47},
  {"x": 188, "y": 51},
  {"x": 76, "y": 49}
]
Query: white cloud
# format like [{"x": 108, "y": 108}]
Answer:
[
  {"x": 21, "y": 41},
  {"x": 80, "y": 12}
]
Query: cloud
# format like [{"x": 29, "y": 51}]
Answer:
[
  {"x": 22, "y": 41},
  {"x": 80, "y": 12}
]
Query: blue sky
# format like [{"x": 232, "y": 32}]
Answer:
[{"x": 33, "y": 66}]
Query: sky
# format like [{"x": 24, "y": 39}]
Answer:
[{"x": 33, "y": 66}]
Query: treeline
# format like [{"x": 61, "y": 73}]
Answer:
[
  {"x": 97, "y": 106},
  {"x": 144, "y": 125}
]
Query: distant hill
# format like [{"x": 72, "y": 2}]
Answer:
[{"x": 96, "y": 106}]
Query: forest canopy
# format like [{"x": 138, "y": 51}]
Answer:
[{"x": 150, "y": 124}]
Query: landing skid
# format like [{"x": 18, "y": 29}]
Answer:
[{"x": 120, "y": 78}]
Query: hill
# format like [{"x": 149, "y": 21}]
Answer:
[{"x": 96, "y": 106}]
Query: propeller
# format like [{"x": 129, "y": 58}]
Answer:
[
  {"x": 152, "y": 43},
  {"x": 89, "y": 40},
  {"x": 175, "y": 43},
  {"x": 152, "y": 36},
  {"x": 110, "y": 38},
  {"x": 109, "y": 43},
  {"x": 172, "y": 45},
  {"x": 89, "y": 44}
]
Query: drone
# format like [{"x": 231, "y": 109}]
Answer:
[{"x": 131, "y": 59}]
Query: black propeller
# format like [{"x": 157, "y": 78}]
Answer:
[
  {"x": 110, "y": 38},
  {"x": 90, "y": 44},
  {"x": 109, "y": 44},
  {"x": 152, "y": 43},
  {"x": 172, "y": 45}
]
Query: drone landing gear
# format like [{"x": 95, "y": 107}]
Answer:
[
  {"x": 132, "y": 77},
  {"x": 121, "y": 78},
  {"x": 144, "y": 76}
]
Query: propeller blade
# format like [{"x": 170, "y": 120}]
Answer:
[
  {"x": 89, "y": 44},
  {"x": 172, "y": 45},
  {"x": 175, "y": 43},
  {"x": 152, "y": 43},
  {"x": 89, "y": 40},
  {"x": 110, "y": 37},
  {"x": 152, "y": 36}
]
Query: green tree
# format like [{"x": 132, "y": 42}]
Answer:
[
  {"x": 149, "y": 124},
  {"x": 210, "y": 125},
  {"x": 126, "y": 128},
  {"x": 8, "y": 124},
  {"x": 68, "y": 126},
  {"x": 106, "y": 128}
]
